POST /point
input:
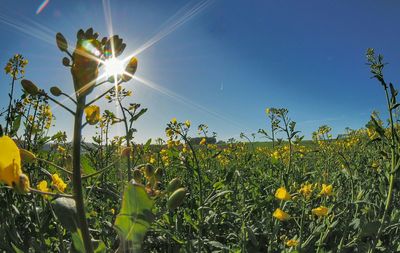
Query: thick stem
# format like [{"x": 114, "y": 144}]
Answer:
[
  {"x": 77, "y": 179},
  {"x": 128, "y": 141}
]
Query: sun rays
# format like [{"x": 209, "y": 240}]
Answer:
[{"x": 113, "y": 67}]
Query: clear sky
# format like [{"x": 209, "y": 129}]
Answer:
[{"x": 221, "y": 62}]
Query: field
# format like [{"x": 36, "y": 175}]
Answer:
[{"x": 186, "y": 194}]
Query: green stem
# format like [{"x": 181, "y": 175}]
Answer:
[
  {"x": 301, "y": 226},
  {"x": 128, "y": 140},
  {"x": 392, "y": 173},
  {"x": 77, "y": 179},
  {"x": 198, "y": 170},
  {"x": 9, "y": 105}
]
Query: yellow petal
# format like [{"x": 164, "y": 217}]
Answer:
[{"x": 10, "y": 161}]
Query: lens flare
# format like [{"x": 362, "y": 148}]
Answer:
[
  {"x": 90, "y": 48},
  {"x": 113, "y": 67},
  {"x": 42, "y": 6}
]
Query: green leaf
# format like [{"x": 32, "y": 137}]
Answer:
[
  {"x": 86, "y": 166},
  {"x": 99, "y": 246},
  {"x": 16, "y": 249},
  {"x": 134, "y": 218},
  {"x": 140, "y": 113},
  {"x": 77, "y": 241},
  {"x": 370, "y": 229},
  {"x": 65, "y": 210},
  {"x": 16, "y": 124}
]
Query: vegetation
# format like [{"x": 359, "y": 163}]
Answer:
[{"x": 188, "y": 194}]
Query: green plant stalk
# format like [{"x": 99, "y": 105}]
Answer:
[
  {"x": 128, "y": 140},
  {"x": 301, "y": 226},
  {"x": 198, "y": 170},
  {"x": 286, "y": 178},
  {"x": 10, "y": 103},
  {"x": 392, "y": 172},
  {"x": 32, "y": 124},
  {"x": 77, "y": 179}
]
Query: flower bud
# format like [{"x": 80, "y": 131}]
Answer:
[
  {"x": 137, "y": 175},
  {"x": 173, "y": 185},
  {"x": 66, "y": 62},
  {"x": 26, "y": 155},
  {"x": 176, "y": 199},
  {"x": 23, "y": 184},
  {"x": 148, "y": 170},
  {"x": 130, "y": 69},
  {"x": 55, "y": 91},
  {"x": 126, "y": 152},
  {"x": 158, "y": 174},
  {"x": 61, "y": 42},
  {"x": 30, "y": 87}
]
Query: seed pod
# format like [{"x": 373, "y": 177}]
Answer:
[
  {"x": 158, "y": 174},
  {"x": 66, "y": 62},
  {"x": 176, "y": 199},
  {"x": 23, "y": 184},
  {"x": 61, "y": 42},
  {"x": 30, "y": 87},
  {"x": 80, "y": 34},
  {"x": 130, "y": 69},
  {"x": 173, "y": 185},
  {"x": 137, "y": 175},
  {"x": 26, "y": 155},
  {"x": 148, "y": 170},
  {"x": 55, "y": 91},
  {"x": 126, "y": 152}
]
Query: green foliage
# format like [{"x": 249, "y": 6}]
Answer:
[{"x": 134, "y": 218}]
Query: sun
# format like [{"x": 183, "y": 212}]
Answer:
[{"x": 113, "y": 67}]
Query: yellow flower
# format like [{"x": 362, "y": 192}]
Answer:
[
  {"x": 60, "y": 149},
  {"x": 203, "y": 141},
  {"x": 280, "y": 215},
  {"x": 292, "y": 243},
  {"x": 59, "y": 183},
  {"x": 152, "y": 160},
  {"x": 10, "y": 165},
  {"x": 173, "y": 121},
  {"x": 169, "y": 132},
  {"x": 187, "y": 123},
  {"x": 326, "y": 190},
  {"x": 267, "y": 110},
  {"x": 320, "y": 211},
  {"x": 92, "y": 114},
  {"x": 112, "y": 210},
  {"x": 42, "y": 186},
  {"x": 282, "y": 194},
  {"x": 375, "y": 165},
  {"x": 306, "y": 190}
]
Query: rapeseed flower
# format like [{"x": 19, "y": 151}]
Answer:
[
  {"x": 92, "y": 114},
  {"x": 326, "y": 190},
  {"x": 59, "y": 183},
  {"x": 320, "y": 211},
  {"x": 306, "y": 190},
  {"x": 187, "y": 123},
  {"x": 282, "y": 194},
  {"x": 292, "y": 243},
  {"x": 42, "y": 186},
  {"x": 10, "y": 165},
  {"x": 280, "y": 215}
]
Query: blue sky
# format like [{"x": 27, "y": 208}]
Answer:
[{"x": 224, "y": 64}]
